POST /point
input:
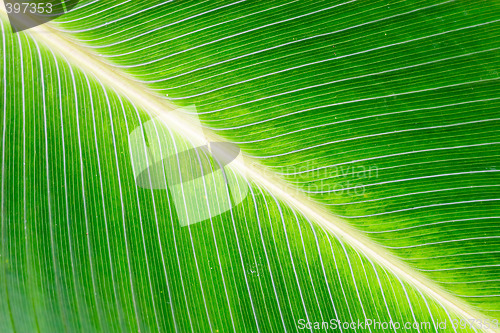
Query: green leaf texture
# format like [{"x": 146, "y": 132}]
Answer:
[{"x": 367, "y": 187}]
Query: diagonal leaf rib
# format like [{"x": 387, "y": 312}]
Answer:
[{"x": 144, "y": 97}]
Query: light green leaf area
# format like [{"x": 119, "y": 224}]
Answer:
[{"x": 367, "y": 188}]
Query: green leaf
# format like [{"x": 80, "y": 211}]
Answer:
[{"x": 364, "y": 198}]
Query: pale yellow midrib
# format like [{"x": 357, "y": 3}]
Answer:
[{"x": 143, "y": 97}]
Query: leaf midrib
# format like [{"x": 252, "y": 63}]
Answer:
[{"x": 146, "y": 99}]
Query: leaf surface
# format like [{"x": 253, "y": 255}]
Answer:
[{"x": 366, "y": 189}]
